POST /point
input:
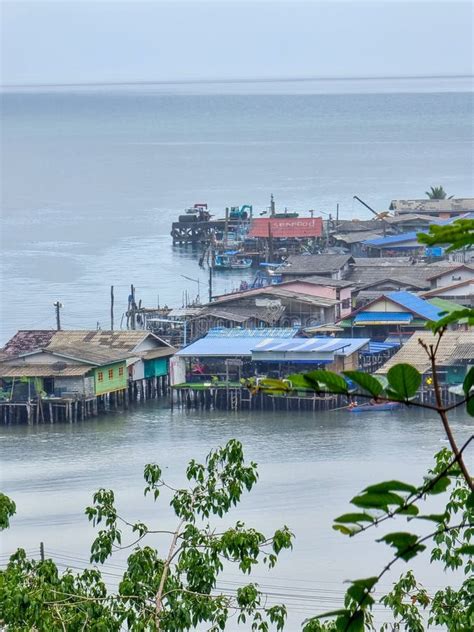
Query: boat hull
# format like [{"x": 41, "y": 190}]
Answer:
[{"x": 364, "y": 408}]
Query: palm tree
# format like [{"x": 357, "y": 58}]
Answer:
[{"x": 437, "y": 193}]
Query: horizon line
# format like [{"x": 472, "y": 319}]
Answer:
[{"x": 217, "y": 81}]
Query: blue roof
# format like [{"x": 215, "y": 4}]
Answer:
[
  {"x": 221, "y": 347},
  {"x": 339, "y": 346},
  {"x": 378, "y": 347},
  {"x": 415, "y": 304},
  {"x": 235, "y": 342},
  {"x": 392, "y": 239},
  {"x": 260, "y": 332},
  {"x": 382, "y": 317}
]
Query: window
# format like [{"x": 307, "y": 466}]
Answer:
[
  {"x": 346, "y": 303},
  {"x": 111, "y": 374},
  {"x": 120, "y": 371},
  {"x": 100, "y": 376}
]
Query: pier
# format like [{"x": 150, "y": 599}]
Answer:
[
  {"x": 74, "y": 408},
  {"x": 199, "y": 232}
]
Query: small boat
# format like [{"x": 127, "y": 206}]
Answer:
[
  {"x": 241, "y": 263},
  {"x": 231, "y": 260},
  {"x": 362, "y": 408}
]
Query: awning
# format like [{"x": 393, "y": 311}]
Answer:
[
  {"x": 383, "y": 318},
  {"x": 379, "y": 347},
  {"x": 307, "y": 350}
]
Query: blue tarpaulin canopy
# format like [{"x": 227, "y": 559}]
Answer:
[
  {"x": 308, "y": 350},
  {"x": 382, "y": 318},
  {"x": 379, "y": 347}
]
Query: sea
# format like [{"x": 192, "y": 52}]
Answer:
[{"x": 92, "y": 178}]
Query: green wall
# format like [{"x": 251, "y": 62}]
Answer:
[
  {"x": 110, "y": 384},
  {"x": 156, "y": 367},
  {"x": 455, "y": 374}
]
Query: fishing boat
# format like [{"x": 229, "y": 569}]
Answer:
[
  {"x": 231, "y": 260},
  {"x": 373, "y": 407}
]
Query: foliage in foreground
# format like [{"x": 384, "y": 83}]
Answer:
[{"x": 171, "y": 592}]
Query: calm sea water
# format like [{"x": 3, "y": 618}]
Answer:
[
  {"x": 310, "y": 467},
  {"x": 92, "y": 179}
]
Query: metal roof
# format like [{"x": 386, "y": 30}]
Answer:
[
  {"x": 382, "y": 318},
  {"x": 260, "y": 332},
  {"x": 80, "y": 353},
  {"x": 446, "y": 288},
  {"x": 162, "y": 352},
  {"x": 28, "y": 340},
  {"x": 356, "y": 237},
  {"x": 414, "y": 354},
  {"x": 320, "y": 280},
  {"x": 286, "y": 227},
  {"x": 457, "y": 205},
  {"x": 59, "y": 369},
  {"x": 415, "y": 304},
  {"x": 314, "y": 264},
  {"x": 454, "y": 268},
  {"x": 125, "y": 340},
  {"x": 213, "y": 347},
  {"x": 379, "y": 347},
  {"x": 336, "y": 346},
  {"x": 392, "y": 239}
]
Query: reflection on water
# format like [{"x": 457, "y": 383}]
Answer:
[{"x": 310, "y": 466}]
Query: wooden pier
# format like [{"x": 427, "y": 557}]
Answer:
[
  {"x": 240, "y": 398},
  {"x": 236, "y": 398},
  {"x": 73, "y": 409},
  {"x": 199, "y": 232}
]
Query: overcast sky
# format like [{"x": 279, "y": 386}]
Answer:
[{"x": 81, "y": 42}]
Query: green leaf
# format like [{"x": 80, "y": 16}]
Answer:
[
  {"x": 271, "y": 384},
  {"x": 360, "y": 595},
  {"x": 334, "y": 382},
  {"x": 406, "y": 544},
  {"x": 410, "y": 510},
  {"x": 433, "y": 517},
  {"x": 404, "y": 379},
  {"x": 343, "y": 529},
  {"x": 299, "y": 380},
  {"x": 391, "y": 486},
  {"x": 366, "y": 381},
  {"x": 440, "y": 486},
  {"x": 332, "y": 613},
  {"x": 470, "y": 406},
  {"x": 352, "y": 518},
  {"x": 470, "y": 501},
  {"x": 466, "y": 549},
  {"x": 453, "y": 317},
  {"x": 367, "y": 582},
  {"x": 377, "y": 501},
  {"x": 355, "y": 623}
]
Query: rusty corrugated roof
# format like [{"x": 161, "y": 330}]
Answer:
[
  {"x": 286, "y": 227},
  {"x": 28, "y": 340}
]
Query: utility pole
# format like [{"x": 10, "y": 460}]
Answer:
[
  {"x": 111, "y": 308},
  {"x": 132, "y": 307},
  {"x": 210, "y": 283},
  {"x": 58, "y": 306},
  {"x": 42, "y": 551},
  {"x": 272, "y": 206},
  {"x": 226, "y": 226}
]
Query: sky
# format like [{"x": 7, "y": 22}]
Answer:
[{"x": 69, "y": 42}]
